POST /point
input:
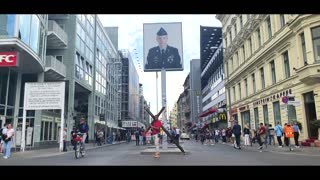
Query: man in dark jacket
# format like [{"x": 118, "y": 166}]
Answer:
[
  {"x": 83, "y": 128},
  {"x": 237, "y": 133}
]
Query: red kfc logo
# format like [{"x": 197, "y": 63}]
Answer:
[{"x": 8, "y": 59}]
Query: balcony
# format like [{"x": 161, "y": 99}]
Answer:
[
  {"x": 309, "y": 74},
  {"x": 54, "y": 69},
  {"x": 57, "y": 37}
]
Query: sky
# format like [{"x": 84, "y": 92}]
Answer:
[{"x": 130, "y": 34}]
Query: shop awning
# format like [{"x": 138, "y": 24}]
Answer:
[{"x": 210, "y": 111}]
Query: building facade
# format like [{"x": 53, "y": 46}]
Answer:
[
  {"x": 174, "y": 116},
  {"x": 48, "y": 45},
  {"x": 195, "y": 90},
  {"x": 212, "y": 75},
  {"x": 268, "y": 57},
  {"x": 130, "y": 89}
]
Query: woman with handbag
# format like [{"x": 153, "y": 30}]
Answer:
[{"x": 7, "y": 140}]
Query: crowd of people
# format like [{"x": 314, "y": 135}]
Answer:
[{"x": 265, "y": 134}]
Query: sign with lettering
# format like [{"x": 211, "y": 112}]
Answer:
[
  {"x": 47, "y": 95},
  {"x": 8, "y": 59},
  {"x": 272, "y": 97}
]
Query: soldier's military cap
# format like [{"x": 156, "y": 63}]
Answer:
[{"x": 162, "y": 32}]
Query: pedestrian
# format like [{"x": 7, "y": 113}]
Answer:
[
  {"x": 246, "y": 133},
  {"x": 100, "y": 136},
  {"x": 216, "y": 135},
  {"x": 237, "y": 133},
  {"x": 223, "y": 133},
  {"x": 289, "y": 133},
  {"x": 261, "y": 135},
  {"x": 279, "y": 133},
  {"x": 296, "y": 134},
  {"x": 267, "y": 133},
  {"x": 8, "y": 134},
  {"x": 144, "y": 134},
  {"x": 1, "y": 134},
  {"x": 83, "y": 128},
  {"x": 271, "y": 135},
  {"x": 137, "y": 137},
  {"x": 155, "y": 126},
  {"x": 73, "y": 135},
  {"x": 65, "y": 140},
  {"x": 177, "y": 134}
]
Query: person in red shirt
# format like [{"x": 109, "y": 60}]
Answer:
[{"x": 155, "y": 126}]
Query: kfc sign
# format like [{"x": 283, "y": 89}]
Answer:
[{"x": 8, "y": 59}]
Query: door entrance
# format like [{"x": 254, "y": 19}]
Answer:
[{"x": 310, "y": 111}]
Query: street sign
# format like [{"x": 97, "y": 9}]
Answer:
[
  {"x": 283, "y": 106},
  {"x": 285, "y": 99},
  {"x": 294, "y": 103}
]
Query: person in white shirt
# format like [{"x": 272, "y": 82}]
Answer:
[
  {"x": 7, "y": 140},
  {"x": 177, "y": 134},
  {"x": 65, "y": 139}
]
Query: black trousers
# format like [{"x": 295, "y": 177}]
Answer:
[
  {"x": 64, "y": 146},
  {"x": 286, "y": 141},
  {"x": 177, "y": 138},
  {"x": 137, "y": 140},
  {"x": 237, "y": 140},
  {"x": 296, "y": 138},
  {"x": 279, "y": 140}
]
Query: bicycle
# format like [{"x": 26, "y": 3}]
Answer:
[{"x": 79, "y": 149}]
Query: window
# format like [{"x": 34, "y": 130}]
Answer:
[
  {"x": 282, "y": 20},
  {"x": 239, "y": 84},
  {"x": 273, "y": 72},
  {"x": 238, "y": 60},
  {"x": 241, "y": 21},
  {"x": 231, "y": 65},
  {"x": 256, "y": 117},
  {"x": 269, "y": 27},
  {"x": 259, "y": 36},
  {"x": 235, "y": 29},
  {"x": 286, "y": 64},
  {"x": 292, "y": 113},
  {"x": 250, "y": 46},
  {"x": 230, "y": 34},
  {"x": 304, "y": 50},
  {"x": 243, "y": 53},
  {"x": 276, "y": 112},
  {"x": 59, "y": 58},
  {"x": 234, "y": 93},
  {"x": 262, "y": 78},
  {"x": 316, "y": 42},
  {"x": 246, "y": 87},
  {"x": 265, "y": 114},
  {"x": 253, "y": 83}
]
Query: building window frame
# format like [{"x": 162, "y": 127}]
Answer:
[
  {"x": 253, "y": 82},
  {"x": 263, "y": 83},
  {"x": 304, "y": 49},
  {"x": 276, "y": 112},
  {"x": 265, "y": 114},
  {"x": 273, "y": 72},
  {"x": 269, "y": 28},
  {"x": 315, "y": 32},
  {"x": 285, "y": 57},
  {"x": 259, "y": 37},
  {"x": 282, "y": 20}
]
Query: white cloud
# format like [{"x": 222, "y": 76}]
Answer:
[{"x": 131, "y": 37}]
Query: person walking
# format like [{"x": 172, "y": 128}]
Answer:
[
  {"x": 8, "y": 134},
  {"x": 237, "y": 133},
  {"x": 279, "y": 133},
  {"x": 246, "y": 133},
  {"x": 296, "y": 134}
]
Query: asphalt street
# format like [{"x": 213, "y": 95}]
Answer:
[{"x": 129, "y": 154}]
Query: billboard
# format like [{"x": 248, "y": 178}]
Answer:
[
  {"x": 44, "y": 95},
  {"x": 162, "y": 44},
  {"x": 8, "y": 59}
]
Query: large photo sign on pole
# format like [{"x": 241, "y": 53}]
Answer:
[{"x": 162, "y": 44}]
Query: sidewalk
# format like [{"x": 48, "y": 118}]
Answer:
[
  {"x": 54, "y": 151},
  {"x": 285, "y": 149}
]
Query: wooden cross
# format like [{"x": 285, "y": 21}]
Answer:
[{"x": 164, "y": 129}]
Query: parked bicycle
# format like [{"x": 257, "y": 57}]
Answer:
[{"x": 79, "y": 148}]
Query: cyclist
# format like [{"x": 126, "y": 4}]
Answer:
[{"x": 83, "y": 128}]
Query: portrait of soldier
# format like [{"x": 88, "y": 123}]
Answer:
[{"x": 163, "y": 55}]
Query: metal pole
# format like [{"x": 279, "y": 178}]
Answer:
[
  {"x": 24, "y": 119},
  {"x": 7, "y": 94},
  {"x": 164, "y": 104},
  {"x": 157, "y": 89},
  {"x": 62, "y": 121}
]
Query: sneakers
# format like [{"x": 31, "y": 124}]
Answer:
[
  {"x": 260, "y": 147},
  {"x": 279, "y": 146},
  {"x": 297, "y": 146},
  {"x": 5, "y": 157}
]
